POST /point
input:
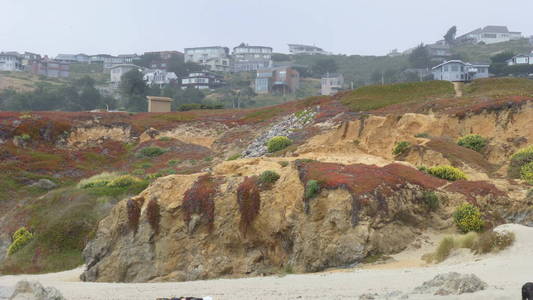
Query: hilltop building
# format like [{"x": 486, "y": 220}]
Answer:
[
  {"x": 306, "y": 49},
  {"x": 214, "y": 58},
  {"x": 278, "y": 80},
  {"x": 489, "y": 35},
  {"x": 248, "y": 58},
  {"x": 331, "y": 84},
  {"x": 459, "y": 71},
  {"x": 117, "y": 71},
  {"x": 107, "y": 60},
  {"x": 521, "y": 59},
  {"x": 201, "y": 81},
  {"x": 49, "y": 68},
  {"x": 10, "y": 61},
  {"x": 159, "y": 77}
]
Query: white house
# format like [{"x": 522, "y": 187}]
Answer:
[
  {"x": 331, "y": 84},
  {"x": 306, "y": 49},
  {"x": 457, "y": 70},
  {"x": 490, "y": 35},
  {"x": 159, "y": 77},
  {"x": 118, "y": 70},
  {"x": 10, "y": 61},
  {"x": 215, "y": 58},
  {"x": 248, "y": 58},
  {"x": 201, "y": 81},
  {"x": 521, "y": 59}
]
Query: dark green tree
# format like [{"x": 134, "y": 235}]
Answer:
[
  {"x": 323, "y": 66},
  {"x": 420, "y": 57},
  {"x": 449, "y": 37}
]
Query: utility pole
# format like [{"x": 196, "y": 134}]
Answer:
[{"x": 382, "y": 78}]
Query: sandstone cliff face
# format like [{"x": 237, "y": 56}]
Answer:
[{"x": 282, "y": 236}]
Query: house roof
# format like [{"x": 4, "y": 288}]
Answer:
[
  {"x": 159, "y": 99},
  {"x": 460, "y": 62},
  {"x": 496, "y": 29},
  {"x": 125, "y": 65}
]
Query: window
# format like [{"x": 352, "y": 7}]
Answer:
[{"x": 455, "y": 68}]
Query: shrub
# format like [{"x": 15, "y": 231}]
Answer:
[
  {"x": 249, "y": 200},
  {"x": 431, "y": 200},
  {"x": 97, "y": 180},
  {"x": 447, "y": 172},
  {"x": 268, "y": 177},
  {"x": 519, "y": 159},
  {"x": 165, "y": 139},
  {"x": 153, "y": 176},
  {"x": 401, "y": 147},
  {"x": 423, "y": 169},
  {"x": 468, "y": 218},
  {"x": 21, "y": 238},
  {"x": 422, "y": 135},
  {"x": 473, "y": 141},
  {"x": 151, "y": 152},
  {"x": 526, "y": 172},
  {"x": 530, "y": 193},
  {"x": 199, "y": 199},
  {"x": 124, "y": 181},
  {"x": 312, "y": 188},
  {"x": 138, "y": 172},
  {"x": 173, "y": 162},
  {"x": 208, "y": 159},
  {"x": 492, "y": 241},
  {"x": 444, "y": 249},
  {"x": 278, "y": 143},
  {"x": 153, "y": 214},
  {"x": 234, "y": 156},
  {"x": 283, "y": 164}
]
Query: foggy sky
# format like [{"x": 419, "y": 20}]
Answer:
[{"x": 371, "y": 27}]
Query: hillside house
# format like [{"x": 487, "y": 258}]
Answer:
[
  {"x": 159, "y": 77},
  {"x": 159, "y": 104},
  {"x": 521, "y": 59},
  {"x": 489, "y": 35},
  {"x": 201, "y": 81},
  {"x": 459, "y": 71},
  {"x": 117, "y": 71},
  {"x": 306, "y": 49},
  {"x": 278, "y": 80},
  {"x": 248, "y": 58},
  {"x": 10, "y": 61},
  {"x": 214, "y": 58},
  {"x": 330, "y": 84},
  {"x": 49, "y": 68}
]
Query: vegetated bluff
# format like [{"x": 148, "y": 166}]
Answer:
[{"x": 225, "y": 222}]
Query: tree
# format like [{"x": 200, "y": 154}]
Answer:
[
  {"x": 323, "y": 66},
  {"x": 502, "y": 57},
  {"x": 132, "y": 83},
  {"x": 449, "y": 37},
  {"x": 499, "y": 66},
  {"x": 420, "y": 57}
]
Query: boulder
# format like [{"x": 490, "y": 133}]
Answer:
[
  {"x": 451, "y": 283},
  {"x": 33, "y": 290}
]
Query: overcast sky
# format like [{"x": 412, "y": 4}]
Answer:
[{"x": 368, "y": 27}]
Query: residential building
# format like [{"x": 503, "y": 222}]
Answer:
[
  {"x": 73, "y": 58},
  {"x": 128, "y": 58},
  {"x": 159, "y": 77},
  {"x": 10, "y": 61},
  {"x": 165, "y": 55},
  {"x": 49, "y": 68},
  {"x": 28, "y": 58},
  {"x": 159, "y": 104},
  {"x": 306, "y": 49},
  {"x": 201, "y": 81},
  {"x": 456, "y": 70},
  {"x": 439, "y": 51},
  {"x": 521, "y": 59},
  {"x": 160, "y": 59},
  {"x": 331, "y": 84},
  {"x": 489, "y": 35},
  {"x": 277, "y": 80},
  {"x": 214, "y": 58},
  {"x": 248, "y": 58},
  {"x": 117, "y": 71},
  {"x": 394, "y": 53}
]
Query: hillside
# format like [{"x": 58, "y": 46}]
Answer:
[
  {"x": 23, "y": 82},
  {"x": 183, "y": 176}
]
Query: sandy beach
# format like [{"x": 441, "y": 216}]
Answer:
[{"x": 504, "y": 272}]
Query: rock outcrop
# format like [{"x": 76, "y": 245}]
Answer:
[
  {"x": 451, "y": 283},
  {"x": 33, "y": 290}
]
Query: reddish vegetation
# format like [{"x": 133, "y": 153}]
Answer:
[
  {"x": 361, "y": 180},
  {"x": 134, "y": 213},
  {"x": 249, "y": 200},
  {"x": 153, "y": 214},
  {"x": 471, "y": 189},
  {"x": 199, "y": 199}
]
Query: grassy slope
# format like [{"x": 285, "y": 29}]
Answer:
[
  {"x": 482, "y": 53},
  {"x": 22, "y": 81},
  {"x": 499, "y": 87},
  {"x": 377, "y": 96}
]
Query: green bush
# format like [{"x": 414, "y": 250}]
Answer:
[
  {"x": 165, "y": 139},
  {"x": 278, "y": 143},
  {"x": 468, "y": 218},
  {"x": 447, "y": 173},
  {"x": 21, "y": 238},
  {"x": 312, "y": 188},
  {"x": 473, "y": 141},
  {"x": 151, "y": 152},
  {"x": 173, "y": 162},
  {"x": 444, "y": 249},
  {"x": 422, "y": 135},
  {"x": 268, "y": 177},
  {"x": 283, "y": 164},
  {"x": 492, "y": 241},
  {"x": 97, "y": 180},
  {"x": 234, "y": 157},
  {"x": 138, "y": 172},
  {"x": 401, "y": 147},
  {"x": 519, "y": 159},
  {"x": 431, "y": 200},
  {"x": 124, "y": 181},
  {"x": 526, "y": 172}
]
